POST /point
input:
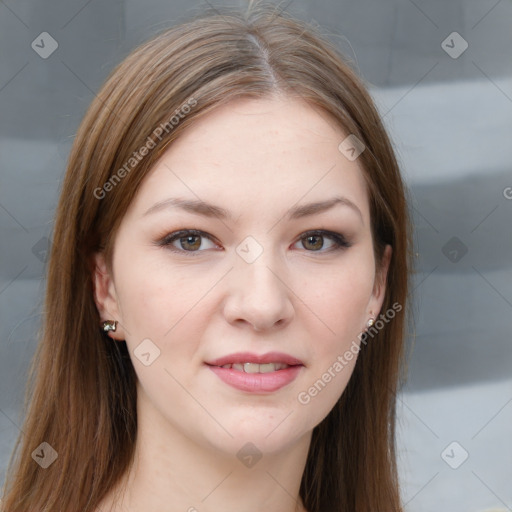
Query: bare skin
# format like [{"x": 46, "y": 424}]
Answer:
[{"x": 197, "y": 299}]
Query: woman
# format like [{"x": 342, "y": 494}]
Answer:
[{"x": 226, "y": 288}]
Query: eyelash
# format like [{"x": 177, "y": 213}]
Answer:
[{"x": 340, "y": 243}]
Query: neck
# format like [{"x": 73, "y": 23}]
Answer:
[{"x": 173, "y": 472}]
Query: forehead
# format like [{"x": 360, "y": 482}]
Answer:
[{"x": 263, "y": 154}]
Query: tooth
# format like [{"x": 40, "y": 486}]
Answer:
[
  {"x": 257, "y": 368},
  {"x": 268, "y": 367},
  {"x": 251, "y": 367}
]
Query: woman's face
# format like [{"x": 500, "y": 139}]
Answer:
[{"x": 251, "y": 180}]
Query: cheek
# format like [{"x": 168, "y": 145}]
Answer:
[
  {"x": 145, "y": 285},
  {"x": 341, "y": 296},
  {"x": 341, "y": 304},
  {"x": 164, "y": 307},
  {"x": 162, "y": 302}
]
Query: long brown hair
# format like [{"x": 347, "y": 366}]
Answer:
[{"x": 82, "y": 397}]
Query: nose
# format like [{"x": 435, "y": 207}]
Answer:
[{"x": 258, "y": 295}]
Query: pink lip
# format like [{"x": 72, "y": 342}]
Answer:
[{"x": 254, "y": 382}]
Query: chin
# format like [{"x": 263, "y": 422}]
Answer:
[{"x": 269, "y": 436}]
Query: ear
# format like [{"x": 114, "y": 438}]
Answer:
[
  {"x": 379, "y": 287},
  {"x": 105, "y": 295}
]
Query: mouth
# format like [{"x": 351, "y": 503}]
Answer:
[
  {"x": 256, "y": 368},
  {"x": 257, "y": 373},
  {"x": 256, "y": 363}
]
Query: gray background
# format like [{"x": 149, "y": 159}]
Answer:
[{"x": 451, "y": 121}]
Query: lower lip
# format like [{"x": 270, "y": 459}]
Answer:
[{"x": 254, "y": 382}]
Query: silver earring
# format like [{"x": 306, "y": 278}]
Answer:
[{"x": 109, "y": 325}]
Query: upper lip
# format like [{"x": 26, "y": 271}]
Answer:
[{"x": 247, "y": 357}]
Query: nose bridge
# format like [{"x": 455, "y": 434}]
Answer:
[
  {"x": 258, "y": 294},
  {"x": 256, "y": 268}
]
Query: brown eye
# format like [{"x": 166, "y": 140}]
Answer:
[
  {"x": 191, "y": 242},
  {"x": 188, "y": 240},
  {"x": 313, "y": 242}
]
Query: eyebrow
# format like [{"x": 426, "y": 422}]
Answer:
[{"x": 209, "y": 210}]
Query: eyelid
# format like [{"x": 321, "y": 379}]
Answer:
[
  {"x": 339, "y": 240},
  {"x": 168, "y": 239}
]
